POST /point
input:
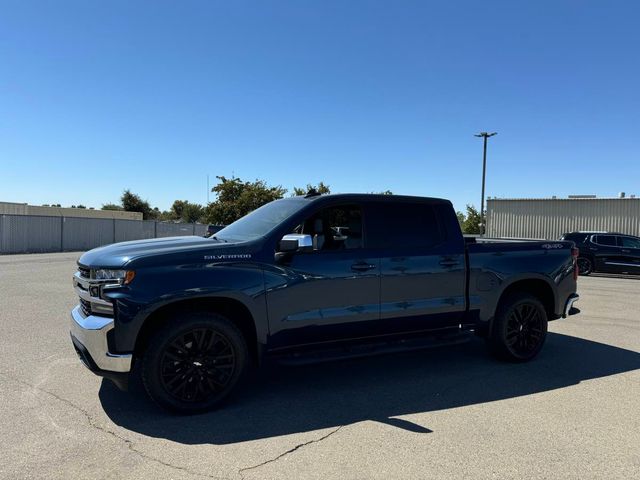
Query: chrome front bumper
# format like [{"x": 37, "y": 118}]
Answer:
[
  {"x": 89, "y": 336},
  {"x": 568, "y": 307}
]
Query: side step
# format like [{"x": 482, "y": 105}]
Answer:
[{"x": 337, "y": 353}]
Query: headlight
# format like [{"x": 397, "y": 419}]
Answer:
[{"x": 121, "y": 276}]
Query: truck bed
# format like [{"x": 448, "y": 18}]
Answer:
[{"x": 495, "y": 264}]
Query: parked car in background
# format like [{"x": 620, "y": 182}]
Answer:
[{"x": 609, "y": 252}]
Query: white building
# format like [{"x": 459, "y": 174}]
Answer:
[{"x": 548, "y": 218}]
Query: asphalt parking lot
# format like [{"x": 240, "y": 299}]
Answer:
[{"x": 447, "y": 413}]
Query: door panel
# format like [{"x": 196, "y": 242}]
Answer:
[
  {"x": 421, "y": 291},
  {"x": 422, "y": 266},
  {"x": 606, "y": 253},
  {"x": 324, "y": 296},
  {"x": 630, "y": 254},
  {"x": 330, "y": 294}
]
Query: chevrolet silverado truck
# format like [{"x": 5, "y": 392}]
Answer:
[{"x": 305, "y": 279}]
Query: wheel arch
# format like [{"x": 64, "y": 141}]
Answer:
[
  {"x": 538, "y": 287},
  {"x": 233, "y": 309}
]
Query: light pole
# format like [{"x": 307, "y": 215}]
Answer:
[{"x": 485, "y": 136}]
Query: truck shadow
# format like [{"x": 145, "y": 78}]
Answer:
[{"x": 286, "y": 400}]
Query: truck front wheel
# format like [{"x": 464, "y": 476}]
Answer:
[
  {"x": 194, "y": 362},
  {"x": 519, "y": 329}
]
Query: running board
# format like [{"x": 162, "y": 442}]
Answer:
[{"x": 308, "y": 357}]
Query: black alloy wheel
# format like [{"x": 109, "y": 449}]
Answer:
[
  {"x": 197, "y": 364},
  {"x": 525, "y": 329},
  {"x": 194, "y": 362},
  {"x": 585, "y": 267},
  {"x": 519, "y": 328}
]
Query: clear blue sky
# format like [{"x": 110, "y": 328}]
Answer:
[{"x": 96, "y": 97}]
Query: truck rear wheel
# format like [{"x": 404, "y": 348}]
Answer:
[
  {"x": 194, "y": 362},
  {"x": 519, "y": 329}
]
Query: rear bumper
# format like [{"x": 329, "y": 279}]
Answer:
[
  {"x": 569, "y": 308},
  {"x": 89, "y": 338}
]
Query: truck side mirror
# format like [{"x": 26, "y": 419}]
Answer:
[{"x": 293, "y": 243}]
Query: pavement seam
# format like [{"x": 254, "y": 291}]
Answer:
[
  {"x": 92, "y": 423},
  {"x": 288, "y": 452}
]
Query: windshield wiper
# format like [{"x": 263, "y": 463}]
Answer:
[{"x": 220, "y": 239}]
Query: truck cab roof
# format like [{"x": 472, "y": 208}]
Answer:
[{"x": 363, "y": 197}]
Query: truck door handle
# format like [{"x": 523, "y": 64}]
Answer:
[
  {"x": 449, "y": 262},
  {"x": 626, "y": 251},
  {"x": 362, "y": 267}
]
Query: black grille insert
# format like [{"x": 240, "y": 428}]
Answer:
[
  {"x": 86, "y": 307},
  {"x": 84, "y": 272}
]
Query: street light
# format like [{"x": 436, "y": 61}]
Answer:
[{"x": 484, "y": 135}]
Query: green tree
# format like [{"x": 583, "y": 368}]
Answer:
[
  {"x": 460, "y": 216},
  {"x": 177, "y": 208},
  {"x": 186, "y": 211},
  {"x": 235, "y": 198},
  {"x": 192, "y": 213},
  {"x": 320, "y": 188},
  {"x": 133, "y": 203},
  {"x": 164, "y": 216},
  {"x": 472, "y": 221},
  {"x": 111, "y": 206}
]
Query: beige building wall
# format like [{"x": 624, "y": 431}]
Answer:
[
  {"x": 548, "y": 218},
  {"x": 8, "y": 208}
]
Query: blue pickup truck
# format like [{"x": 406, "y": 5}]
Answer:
[{"x": 307, "y": 279}]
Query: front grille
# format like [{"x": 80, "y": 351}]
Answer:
[
  {"x": 84, "y": 272},
  {"x": 86, "y": 307}
]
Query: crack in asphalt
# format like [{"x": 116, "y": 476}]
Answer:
[
  {"x": 92, "y": 423},
  {"x": 288, "y": 452}
]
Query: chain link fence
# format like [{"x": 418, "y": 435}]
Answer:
[{"x": 40, "y": 234}]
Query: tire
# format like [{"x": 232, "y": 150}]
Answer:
[
  {"x": 519, "y": 328},
  {"x": 585, "y": 266},
  {"x": 194, "y": 362}
]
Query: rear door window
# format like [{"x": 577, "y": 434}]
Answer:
[
  {"x": 398, "y": 225},
  {"x": 630, "y": 242},
  {"x": 606, "y": 240}
]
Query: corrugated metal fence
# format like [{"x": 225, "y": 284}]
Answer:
[
  {"x": 549, "y": 218},
  {"x": 39, "y": 234}
]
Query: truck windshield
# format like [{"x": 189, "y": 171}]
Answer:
[{"x": 261, "y": 221}]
